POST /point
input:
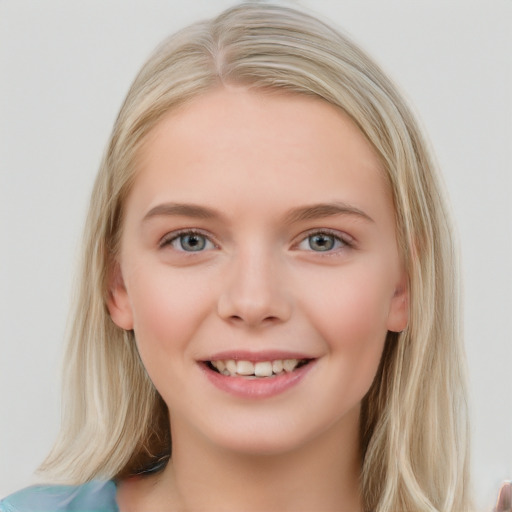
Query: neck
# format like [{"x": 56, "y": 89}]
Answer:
[{"x": 321, "y": 475}]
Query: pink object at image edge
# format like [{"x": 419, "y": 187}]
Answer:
[{"x": 504, "y": 502}]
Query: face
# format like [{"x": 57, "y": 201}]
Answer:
[{"x": 259, "y": 269}]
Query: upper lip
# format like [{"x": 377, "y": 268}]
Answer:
[{"x": 255, "y": 356}]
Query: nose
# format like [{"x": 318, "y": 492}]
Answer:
[{"x": 254, "y": 291}]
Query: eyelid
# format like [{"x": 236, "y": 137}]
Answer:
[
  {"x": 168, "y": 238},
  {"x": 346, "y": 239}
]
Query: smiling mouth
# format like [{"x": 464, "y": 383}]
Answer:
[{"x": 256, "y": 370}]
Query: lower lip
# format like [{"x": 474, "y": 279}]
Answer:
[{"x": 263, "y": 387}]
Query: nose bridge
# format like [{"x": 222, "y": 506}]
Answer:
[{"x": 254, "y": 291}]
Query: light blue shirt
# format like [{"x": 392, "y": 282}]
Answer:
[{"x": 90, "y": 497}]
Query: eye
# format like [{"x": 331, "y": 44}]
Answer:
[
  {"x": 322, "y": 242},
  {"x": 188, "y": 241}
]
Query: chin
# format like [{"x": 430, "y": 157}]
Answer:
[
  {"x": 271, "y": 435},
  {"x": 262, "y": 445}
]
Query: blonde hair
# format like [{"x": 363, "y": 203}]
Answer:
[{"x": 414, "y": 432}]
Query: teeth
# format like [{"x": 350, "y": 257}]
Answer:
[
  {"x": 230, "y": 367},
  {"x": 277, "y": 366},
  {"x": 244, "y": 368},
  {"x": 290, "y": 364},
  {"x": 263, "y": 369}
]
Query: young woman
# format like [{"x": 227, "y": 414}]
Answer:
[{"x": 267, "y": 317}]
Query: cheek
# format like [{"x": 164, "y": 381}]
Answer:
[
  {"x": 167, "y": 308},
  {"x": 350, "y": 312},
  {"x": 356, "y": 301}
]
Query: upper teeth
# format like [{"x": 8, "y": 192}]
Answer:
[{"x": 260, "y": 369}]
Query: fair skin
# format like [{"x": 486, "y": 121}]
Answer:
[{"x": 292, "y": 256}]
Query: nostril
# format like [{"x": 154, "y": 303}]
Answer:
[
  {"x": 253, "y": 320},
  {"x": 239, "y": 306}
]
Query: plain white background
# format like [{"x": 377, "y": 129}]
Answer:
[{"x": 65, "y": 67}]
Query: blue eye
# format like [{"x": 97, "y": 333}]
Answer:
[
  {"x": 322, "y": 242},
  {"x": 189, "y": 242}
]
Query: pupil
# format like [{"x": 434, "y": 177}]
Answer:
[
  {"x": 192, "y": 242},
  {"x": 321, "y": 242}
]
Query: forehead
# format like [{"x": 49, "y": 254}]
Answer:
[{"x": 266, "y": 147}]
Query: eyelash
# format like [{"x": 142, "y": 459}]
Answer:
[
  {"x": 175, "y": 236},
  {"x": 345, "y": 241}
]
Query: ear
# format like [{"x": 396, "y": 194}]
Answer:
[
  {"x": 118, "y": 301},
  {"x": 398, "y": 317}
]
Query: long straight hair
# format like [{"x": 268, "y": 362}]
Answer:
[{"x": 414, "y": 431}]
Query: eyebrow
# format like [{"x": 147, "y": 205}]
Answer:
[
  {"x": 181, "y": 210},
  {"x": 321, "y": 210},
  {"x": 303, "y": 213}
]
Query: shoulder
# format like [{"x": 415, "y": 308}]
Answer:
[{"x": 90, "y": 497}]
